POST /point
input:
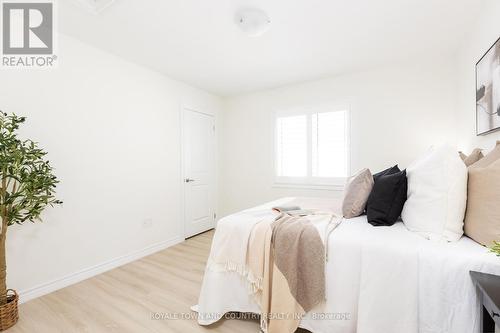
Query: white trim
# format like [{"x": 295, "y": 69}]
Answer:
[
  {"x": 183, "y": 176},
  {"x": 348, "y": 140},
  {"x": 310, "y": 181},
  {"x": 336, "y": 188},
  {"x": 95, "y": 7},
  {"x": 65, "y": 281}
]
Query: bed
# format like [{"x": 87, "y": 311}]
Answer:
[{"x": 378, "y": 279}]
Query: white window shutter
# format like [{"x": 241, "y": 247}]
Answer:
[
  {"x": 292, "y": 146},
  {"x": 329, "y": 146},
  {"x": 312, "y": 147}
]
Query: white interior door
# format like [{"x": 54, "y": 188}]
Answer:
[{"x": 199, "y": 172}]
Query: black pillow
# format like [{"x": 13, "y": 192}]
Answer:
[
  {"x": 389, "y": 171},
  {"x": 387, "y": 198}
]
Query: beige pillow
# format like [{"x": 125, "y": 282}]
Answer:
[
  {"x": 475, "y": 156},
  {"x": 356, "y": 193},
  {"x": 482, "y": 218},
  {"x": 489, "y": 158}
]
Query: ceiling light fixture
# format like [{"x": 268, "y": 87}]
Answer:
[
  {"x": 253, "y": 22},
  {"x": 96, "y": 6}
]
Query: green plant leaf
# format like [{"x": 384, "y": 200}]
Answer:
[{"x": 27, "y": 182}]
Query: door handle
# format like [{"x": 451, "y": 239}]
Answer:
[{"x": 188, "y": 180}]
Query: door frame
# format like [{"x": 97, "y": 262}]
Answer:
[{"x": 182, "y": 113}]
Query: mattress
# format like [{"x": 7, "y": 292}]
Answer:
[{"x": 379, "y": 279}]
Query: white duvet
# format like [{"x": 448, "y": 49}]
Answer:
[{"x": 379, "y": 279}]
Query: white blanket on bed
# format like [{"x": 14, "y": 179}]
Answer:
[
  {"x": 384, "y": 279},
  {"x": 230, "y": 246}
]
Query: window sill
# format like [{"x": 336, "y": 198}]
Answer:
[{"x": 332, "y": 187}]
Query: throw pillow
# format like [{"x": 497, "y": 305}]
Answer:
[
  {"x": 475, "y": 156},
  {"x": 387, "y": 171},
  {"x": 357, "y": 190},
  {"x": 482, "y": 218},
  {"x": 387, "y": 198},
  {"x": 489, "y": 158},
  {"x": 437, "y": 193}
]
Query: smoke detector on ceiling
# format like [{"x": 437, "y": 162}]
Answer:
[
  {"x": 253, "y": 22},
  {"x": 96, "y": 6}
]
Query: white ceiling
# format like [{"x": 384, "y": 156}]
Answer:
[{"x": 196, "y": 41}]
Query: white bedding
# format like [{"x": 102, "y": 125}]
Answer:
[{"x": 386, "y": 279}]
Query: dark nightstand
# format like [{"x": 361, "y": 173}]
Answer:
[{"x": 488, "y": 291}]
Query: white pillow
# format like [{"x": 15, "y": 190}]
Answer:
[{"x": 437, "y": 195}]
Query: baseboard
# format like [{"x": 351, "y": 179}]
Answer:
[{"x": 84, "y": 274}]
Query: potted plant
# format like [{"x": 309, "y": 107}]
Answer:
[
  {"x": 496, "y": 248},
  {"x": 27, "y": 187}
]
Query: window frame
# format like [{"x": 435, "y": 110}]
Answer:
[{"x": 310, "y": 182}]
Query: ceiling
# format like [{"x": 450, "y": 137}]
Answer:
[{"x": 196, "y": 41}]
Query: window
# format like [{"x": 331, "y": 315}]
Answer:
[{"x": 312, "y": 147}]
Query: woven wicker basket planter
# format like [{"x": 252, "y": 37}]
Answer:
[{"x": 9, "y": 312}]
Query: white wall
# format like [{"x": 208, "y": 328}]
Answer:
[
  {"x": 112, "y": 132},
  {"x": 396, "y": 114},
  {"x": 481, "y": 37}
]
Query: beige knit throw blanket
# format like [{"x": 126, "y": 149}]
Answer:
[
  {"x": 294, "y": 274},
  {"x": 283, "y": 265},
  {"x": 230, "y": 246}
]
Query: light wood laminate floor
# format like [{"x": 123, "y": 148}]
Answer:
[{"x": 124, "y": 299}]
